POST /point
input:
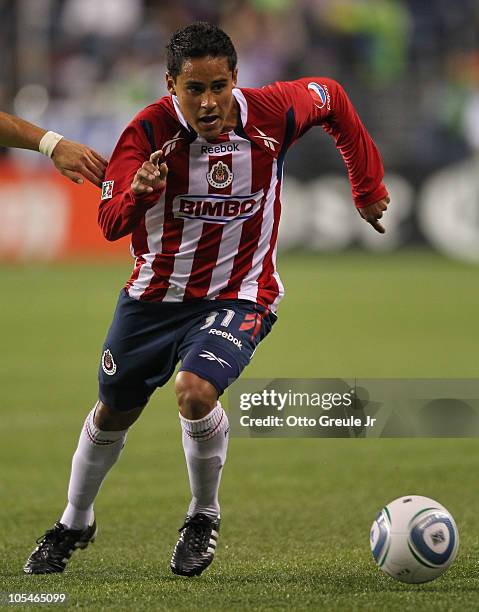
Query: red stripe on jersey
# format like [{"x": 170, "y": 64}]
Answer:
[
  {"x": 204, "y": 261},
  {"x": 139, "y": 239},
  {"x": 261, "y": 170},
  {"x": 206, "y": 253},
  {"x": 164, "y": 261}
]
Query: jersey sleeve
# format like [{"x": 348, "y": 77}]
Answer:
[
  {"x": 120, "y": 209},
  {"x": 322, "y": 101}
]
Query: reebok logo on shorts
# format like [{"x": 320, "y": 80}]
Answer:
[
  {"x": 212, "y": 357},
  {"x": 227, "y": 336}
]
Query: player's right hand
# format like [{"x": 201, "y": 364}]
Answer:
[{"x": 151, "y": 176}]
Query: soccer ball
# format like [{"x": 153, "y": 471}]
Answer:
[{"x": 414, "y": 539}]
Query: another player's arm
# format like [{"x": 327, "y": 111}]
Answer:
[
  {"x": 337, "y": 116},
  {"x": 135, "y": 178},
  {"x": 72, "y": 159}
]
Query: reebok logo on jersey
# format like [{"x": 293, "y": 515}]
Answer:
[
  {"x": 269, "y": 141},
  {"x": 216, "y": 209},
  {"x": 212, "y": 357},
  {"x": 169, "y": 145},
  {"x": 229, "y": 147},
  {"x": 107, "y": 190},
  {"x": 227, "y": 336}
]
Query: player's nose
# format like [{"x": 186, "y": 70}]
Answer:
[{"x": 208, "y": 102}]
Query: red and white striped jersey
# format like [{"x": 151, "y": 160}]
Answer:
[{"x": 211, "y": 234}]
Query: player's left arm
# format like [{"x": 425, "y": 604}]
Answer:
[{"x": 322, "y": 101}]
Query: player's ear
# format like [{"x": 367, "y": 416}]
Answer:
[
  {"x": 170, "y": 84},
  {"x": 235, "y": 76}
]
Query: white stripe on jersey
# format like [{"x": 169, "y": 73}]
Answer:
[
  {"x": 242, "y": 169},
  {"x": 154, "y": 218},
  {"x": 249, "y": 286},
  {"x": 144, "y": 277}
]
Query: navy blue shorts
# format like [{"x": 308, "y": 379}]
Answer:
[{"x": 213, "y": 339}]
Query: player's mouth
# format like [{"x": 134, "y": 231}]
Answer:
[{"x": 209, "y": 121}]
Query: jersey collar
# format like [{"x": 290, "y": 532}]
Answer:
[{"x": 239, "y": 95}]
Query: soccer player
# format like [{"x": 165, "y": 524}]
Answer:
[
  {"x": 196, "y": 180},
  {"x": 72, "y": 159}
]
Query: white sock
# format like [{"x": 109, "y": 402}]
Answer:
[
  {"x": 205, "y": 443},
  {"x": 96, "y": 453}
]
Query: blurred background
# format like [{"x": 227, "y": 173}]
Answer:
[{"x": 411, "y": 67}]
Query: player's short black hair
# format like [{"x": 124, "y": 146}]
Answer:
[{"x": 198, "y": 39}]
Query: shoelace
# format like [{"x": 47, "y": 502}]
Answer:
[
  {"x": 52, "y": 537},
  {"x": 47, "y": 537},
  {"x": 196, "y": 538}
]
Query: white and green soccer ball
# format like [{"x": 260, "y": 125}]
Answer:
[{"x": 414, "y": 539}]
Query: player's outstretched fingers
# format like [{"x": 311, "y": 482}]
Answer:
[{"x": 156, "y": 157}]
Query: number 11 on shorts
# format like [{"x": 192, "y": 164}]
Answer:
[{"x": 211, "y": 318}]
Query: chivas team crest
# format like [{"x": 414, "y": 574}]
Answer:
[
  {"x": 107, "y": 363},
  {"x": 220, "y": 176}
]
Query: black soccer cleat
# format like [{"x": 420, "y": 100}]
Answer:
[
  {"x": 56, "y": 547},
  {"x": 196, "y": 547}
]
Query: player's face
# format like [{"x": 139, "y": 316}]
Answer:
[{"x": 204, "y": 91}]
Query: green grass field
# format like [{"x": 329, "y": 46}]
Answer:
[{"x": 296, "y": 512}]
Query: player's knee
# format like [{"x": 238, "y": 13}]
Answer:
[
  {"x": 196, "y": 397},
  {"x": 108, "y": 419}
]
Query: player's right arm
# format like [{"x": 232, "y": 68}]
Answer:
[
  {"x": 134, "y": 181},
  {"x": 72, "y": 159}
]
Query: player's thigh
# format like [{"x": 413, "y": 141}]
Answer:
[
  {"x": 139, "y": 353},
  {"x": 220, "y": 343}
]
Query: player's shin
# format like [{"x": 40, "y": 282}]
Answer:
[
  {"x": 96, "y": 453},
  {"x": 205, "y": 442}
]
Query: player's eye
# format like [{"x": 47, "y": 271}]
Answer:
[{"x": 194, "y": 89}]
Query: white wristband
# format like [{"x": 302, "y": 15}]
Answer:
[{"x": 48, "y": 142}]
